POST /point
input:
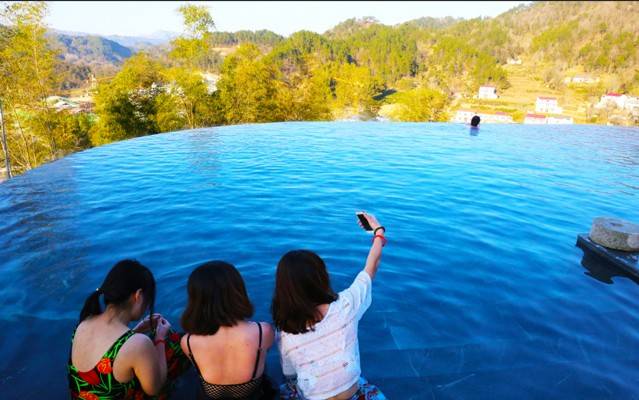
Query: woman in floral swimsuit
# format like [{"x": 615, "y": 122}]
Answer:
[{"x": 108, "y": 361}]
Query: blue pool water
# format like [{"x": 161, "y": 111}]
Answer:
[{"x": 481, "y": 293}]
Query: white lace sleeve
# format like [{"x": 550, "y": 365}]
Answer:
[{"x": 359, "y": 295}]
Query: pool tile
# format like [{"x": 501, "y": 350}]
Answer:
[
  {"x": 389, "y": 364},
  {"x": 405, "y": 388}
]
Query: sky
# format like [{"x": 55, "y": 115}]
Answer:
[{"x": 136, "y": 18}]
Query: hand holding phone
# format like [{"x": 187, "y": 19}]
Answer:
[{"x": 368, "y": 222}]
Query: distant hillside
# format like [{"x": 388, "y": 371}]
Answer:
[
  {"x": 600, "y": 36},
  {"x": 83, "y": 55},
  {"x": 261, "y": 38},
  {"x": 455, "y": 56},
  {"x": 350, "y": 27},
  {"x": 158, "y": 38},
  {"x": 93, "y": 49},
  {"x": 432, "y": 23}
]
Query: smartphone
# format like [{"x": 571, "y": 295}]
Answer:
[{"x": 364, "y": 221}]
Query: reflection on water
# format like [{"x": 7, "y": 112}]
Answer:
[
  {"x": 203, "y": 155},
  {"x": 601, "y": 270},
  {"x": 480, "y": 295}
]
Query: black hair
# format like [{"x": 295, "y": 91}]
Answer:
[
  {"x": 123, "y": 280},
  {"x": 475, "y": 120},
  {"x": 217, "y": 297},
  {"x": 301, "y": 284}
]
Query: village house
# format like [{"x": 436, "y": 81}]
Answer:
[
  {"x": 617, "y": 100},
  {"x": 539, "y": 119},
  {"x": 581, "y": 79},
  {"x": 547, "y": 105},
  {"x": 61, "y": 103},
  {"x": 499, "y": 117},
  {"x": 559, "y": 120},
  {"x": 534, "y": 119},
  {"x": 513, "y": 61},
  {"x": 74, "y": 106},
  {"x": 487, "y": 92},
  {"x": 632, "y": 104},
  {"x": 613, "y": 99},
  {"x": 463, "y": 116}
]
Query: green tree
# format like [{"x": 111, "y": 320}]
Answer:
[
  {"x": 354, "y": 89},
  {"x": 193, "y": 49},
  {"x": 127, "y": 105},
  {"x": 307, "y": 96},
  {"x": 248, "y": 87},
  {"x": 186, "y": 103},
  {"x": 27, "y": 77},
  {"x": 420, "y": 104}
]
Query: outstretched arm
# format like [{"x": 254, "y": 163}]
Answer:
[{"x": 375, "y": 253}]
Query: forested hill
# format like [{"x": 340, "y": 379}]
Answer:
[
  {"x": 92, "y": 49},
  {"x": 598, "y": 36},
  {"x": 449, "y": 54},
  {"x": 455, "y": 55},
  {"x": 261, "y": 38}
]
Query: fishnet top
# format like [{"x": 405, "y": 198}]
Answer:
[{"x": 247, "y": 391}]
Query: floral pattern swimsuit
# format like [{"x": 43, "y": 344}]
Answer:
[{"x": 100, "y": 384}]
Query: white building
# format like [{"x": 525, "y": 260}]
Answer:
[
  {"x": 613, "y": 99},
  {"x": 547, "y": 105},
  {"x": 487, "y": 92},
  {"x": 632, "y": 104},
  {"x": 499, "y": 117},
  {"x": 539, "y": 119},
  {"x": 622, "y": 101},
  {"x": 62, "y": 103},
  {"x": 536, "y": 119},
  {"x": 513, "y": 61},
  {"x": 464, "y": 116},
  {"x": 559, "y": 120},
  {"x": 581, "y": 79}
]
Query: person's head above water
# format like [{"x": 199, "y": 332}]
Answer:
[
  {"x": 301, "y": 284},
  {"x": 475, "y": 121},
  {"x": 217, "y": 297},
  {"x": 128, "y": 286}
]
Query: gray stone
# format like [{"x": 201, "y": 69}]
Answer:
[{"x": 615, "y": 233}]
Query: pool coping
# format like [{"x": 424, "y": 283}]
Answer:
[{"x": 627, "y": 261}]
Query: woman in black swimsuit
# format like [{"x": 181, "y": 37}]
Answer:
[{"x": 227, "y": 350}]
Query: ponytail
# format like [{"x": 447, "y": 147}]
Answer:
[{"x": 91, "y": 306}]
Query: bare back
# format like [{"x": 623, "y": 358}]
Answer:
[
  {"x": 228, "y": 357},
  {"x": 137, "y": 356},
  {"x": 93, "y": 338}
]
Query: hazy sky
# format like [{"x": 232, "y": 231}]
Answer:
[{"x": 283, "y": 17}]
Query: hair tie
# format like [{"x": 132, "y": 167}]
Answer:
[{"x": 99, "y": 290}]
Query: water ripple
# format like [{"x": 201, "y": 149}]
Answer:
[{"x": 481, "y": 278}]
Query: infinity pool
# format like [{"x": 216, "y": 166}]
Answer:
[{"x": 481, "y": 293}]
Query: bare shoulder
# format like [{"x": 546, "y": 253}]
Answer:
[
  {"x": 138, "y": 344},
  {"x": 184, "y": 343},
  {"x": 268, "y": 334}
]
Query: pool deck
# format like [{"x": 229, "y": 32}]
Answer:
[{"x": 627, "y": 261}]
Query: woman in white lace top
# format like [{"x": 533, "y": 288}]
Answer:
[{"x": 318, "y": 328}]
